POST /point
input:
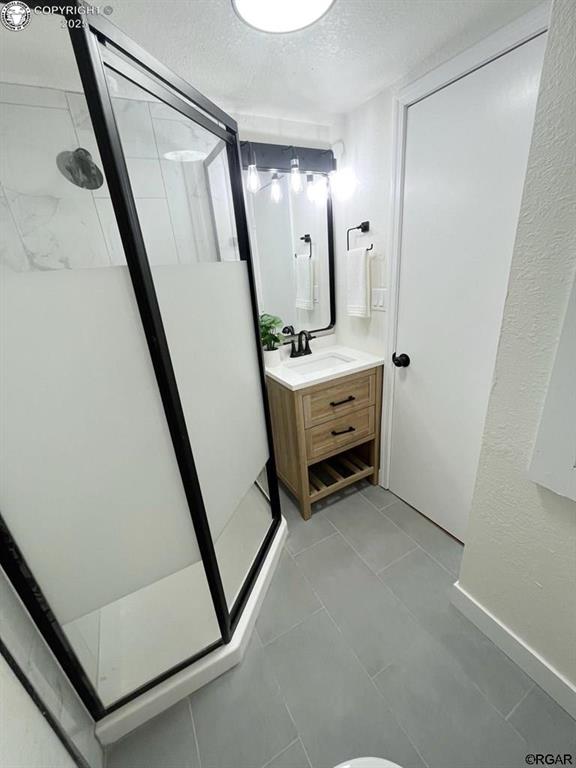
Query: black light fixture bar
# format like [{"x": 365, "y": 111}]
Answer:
[{"x": 279, "y": 156}]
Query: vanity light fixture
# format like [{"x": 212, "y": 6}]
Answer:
[
  {"x": 253, "y": 180},
  {"x": 316, "y": 188},
  {"x": 310, "y": 187},
  {"x": 343, "y": 183},
  {"x": 321, "y": 189},
  {"x": 281, "y": 15},
  {"x": 275, "y": 188},
  {"x": 295, "y": 175},
  {"x": 343, "y": 179}
]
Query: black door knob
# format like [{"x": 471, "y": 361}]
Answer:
[{"x": 401, "y": 361}]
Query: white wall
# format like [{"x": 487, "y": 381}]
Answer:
[
  {"x": 520, "y": 558},
  {"x": 277, "y": 130},
  {"x": 367, "y": 137}
]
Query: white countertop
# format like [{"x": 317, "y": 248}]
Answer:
[{"x": 325, "y": 364}]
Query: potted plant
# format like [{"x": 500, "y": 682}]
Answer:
[{"x": 270, "y": 337}]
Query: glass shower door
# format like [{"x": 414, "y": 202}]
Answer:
[{"x": 180, "y": 179}]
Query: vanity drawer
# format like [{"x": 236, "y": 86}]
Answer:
[
  {"x": 339, "y": 432},
  {"x": 340, "y": 398}
]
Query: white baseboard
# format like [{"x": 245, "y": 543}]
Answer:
[
  {"x": 548, "y": 678},
  {"x": 166, "y": 694}
]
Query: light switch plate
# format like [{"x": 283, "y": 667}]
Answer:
[{"x": 380, "y": 299}]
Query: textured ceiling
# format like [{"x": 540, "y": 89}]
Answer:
[{"x": 356, "y": 50}]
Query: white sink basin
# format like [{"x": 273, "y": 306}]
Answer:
[
  {"x": 321, "y": 366},
  {"x": 321, "y": 362}
]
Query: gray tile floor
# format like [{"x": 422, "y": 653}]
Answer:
[{"x": 357, "y": 652}]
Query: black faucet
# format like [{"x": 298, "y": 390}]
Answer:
[
  {"x": 303, "y": 345},
  {"x": 304, "y": 338},
  {"x": 288, "y": 330}
]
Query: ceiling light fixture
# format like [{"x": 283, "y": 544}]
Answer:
[{"x": 278, "y": 16}]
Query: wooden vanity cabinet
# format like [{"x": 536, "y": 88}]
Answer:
[{"x": 327, "y": 436}]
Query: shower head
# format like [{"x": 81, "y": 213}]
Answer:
[{"x": 79, "y": 168}]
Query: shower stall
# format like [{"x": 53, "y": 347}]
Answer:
[{"x": 140, "y": 509}]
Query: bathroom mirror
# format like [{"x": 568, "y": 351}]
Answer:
[{"x": 290, "y": 218}]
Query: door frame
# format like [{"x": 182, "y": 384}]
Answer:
[{"x": 501, "y": 42}]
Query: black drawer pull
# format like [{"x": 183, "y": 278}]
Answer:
[
  {"x": 341, "y": 402},
  {"x": 343, "y": 431}
]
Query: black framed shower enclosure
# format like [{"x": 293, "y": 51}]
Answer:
[{"x": 99, "y": 48}]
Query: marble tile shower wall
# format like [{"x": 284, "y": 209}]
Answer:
[
  {"x": 25, "y": 643},
  {"x": 48, "y": 223}
]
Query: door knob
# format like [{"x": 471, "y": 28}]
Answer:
[{"x": 401, "y": 361}]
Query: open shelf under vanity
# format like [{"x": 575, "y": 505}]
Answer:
[{"x": 335, "y": 473}]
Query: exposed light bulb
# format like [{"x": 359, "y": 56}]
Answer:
[
  {"x": 275, "y": 189},
  {"x": 343, "y": 183},
  {"x": 295, "y": 176},
  {"x": 310, "y": 187},
  {"x": 253, "y": 180},
  {"x": 321, "y": 190}
]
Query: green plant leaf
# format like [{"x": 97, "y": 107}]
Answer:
[{"x": 269, "y": 336}]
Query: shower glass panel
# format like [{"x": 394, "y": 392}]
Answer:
[
  {"x": 179, "y": 176},
  {"x": 91, "y": 490}
]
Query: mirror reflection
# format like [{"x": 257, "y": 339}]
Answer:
[{"x": 288, "y": 219}]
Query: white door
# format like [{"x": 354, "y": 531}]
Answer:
[{"x": 466, "y": 154}]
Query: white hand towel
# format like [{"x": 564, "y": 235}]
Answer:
[
  {"x": 358, "y": 283},
  {"x": 304, "y": 266}
]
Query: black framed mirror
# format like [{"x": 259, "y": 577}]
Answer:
[{"x": 289, "y": 210}]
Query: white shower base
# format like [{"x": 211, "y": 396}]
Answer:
[
  {"x": 162, "y": 696},
  {"x": 129, "y": 642}
]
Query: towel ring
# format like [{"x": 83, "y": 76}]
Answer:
[
  {"x": 306, "y": 239},
  {"x": 364, "y": 226}
]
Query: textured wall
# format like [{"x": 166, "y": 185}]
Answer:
[{"x": 520, "y": 557}]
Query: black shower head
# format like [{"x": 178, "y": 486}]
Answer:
[{"x": 79, "y": 168}]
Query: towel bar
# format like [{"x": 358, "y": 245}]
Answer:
[
  {"x": 364, "y": 226},
  {"x": 307, "y": 239}
]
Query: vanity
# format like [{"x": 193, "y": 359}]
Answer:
[{"x": 325, "y": 411}]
